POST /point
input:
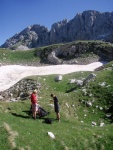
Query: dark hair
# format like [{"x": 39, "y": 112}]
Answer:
[{"x": 51, "y": 95}]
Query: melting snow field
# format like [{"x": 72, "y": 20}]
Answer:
[{"x": 11, "y": 74}]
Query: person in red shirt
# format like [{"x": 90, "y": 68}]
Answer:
[{"x": 34, "y": 102}]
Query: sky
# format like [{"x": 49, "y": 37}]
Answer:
[{"x": 16, "y": 15}]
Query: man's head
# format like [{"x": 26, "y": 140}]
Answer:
[{"x": 51, "y": 95}]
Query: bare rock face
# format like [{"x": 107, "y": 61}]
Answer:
[
  {"x": 30, "y": 37},
  {"x": 53, "y": 59},
  {"x": 58, "y": 33},
  {"x": 22, "y": 47},
  {"x": 89, "y": 25}
]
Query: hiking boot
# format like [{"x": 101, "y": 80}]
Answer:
[
  {"x": 34, "y": 118},
  {"x": 58, "y": 120}
]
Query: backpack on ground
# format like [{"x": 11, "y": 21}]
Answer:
[
  {"x": 43, "y": 113},
  {"x": 48, "y": 121}
]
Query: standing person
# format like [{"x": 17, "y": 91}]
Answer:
[
  {"x": 34, "y": 102},
  {"x": 56, "y": 106}
]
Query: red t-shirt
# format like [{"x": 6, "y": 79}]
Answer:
[{"x": 33, "y": 98}]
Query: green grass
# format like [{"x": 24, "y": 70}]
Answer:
[
  {"x": 75, "y": 131},
  {"x": 40, "y": 54},
  {"x": 18, "y": 131},
  {"x": 11, "y": 56}
]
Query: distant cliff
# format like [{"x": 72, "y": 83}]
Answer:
[{"x": 89, "y": 25}]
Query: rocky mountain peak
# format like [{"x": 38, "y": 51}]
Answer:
[{"x": 89, "y": 25}]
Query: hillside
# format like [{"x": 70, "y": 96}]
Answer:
[
  {"x": 86, "y": 100},
  {"x": 82, "y": 126},
  {"x": 86, "y": 113},
  {"x": 76, "y": 52}
]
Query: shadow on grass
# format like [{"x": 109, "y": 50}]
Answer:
[
  {"x": 71, "y": 89},
  {"x": 45, "y": 119},
  {"x": 18, "y": 115},
  {"x": 27, "y": 112}
]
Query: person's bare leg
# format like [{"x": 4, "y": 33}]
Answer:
[
  {"x": 34, "y": 114},
  {"x": 58, "y": 116}
]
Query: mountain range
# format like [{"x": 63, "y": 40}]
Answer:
[{"x": 89, "y": 25}]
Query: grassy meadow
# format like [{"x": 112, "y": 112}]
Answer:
[
  {"x": 18, "y": 131},
  {"x": 17, "y": 57}
]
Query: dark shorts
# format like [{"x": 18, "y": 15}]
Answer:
[{"x": 57, "y": 109}]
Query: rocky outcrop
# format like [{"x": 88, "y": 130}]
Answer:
[
  {"x": 89, "y": 25},
  {"x": 53, "y": 57},
  {"x": 20, "y": 91},
  {"x": 77, "y": 53}
]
